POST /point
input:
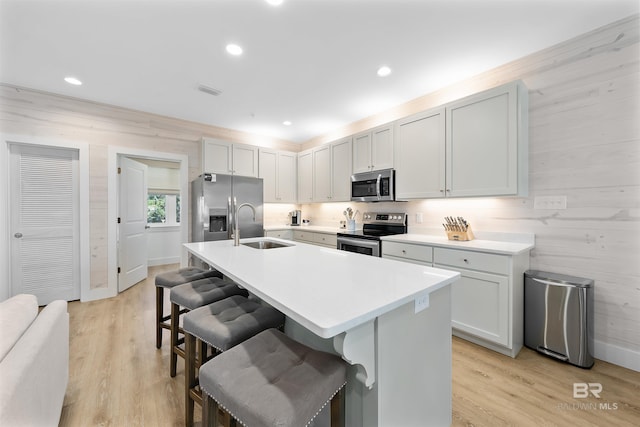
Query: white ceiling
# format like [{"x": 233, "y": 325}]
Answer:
[{"x": 312, "y": 62}]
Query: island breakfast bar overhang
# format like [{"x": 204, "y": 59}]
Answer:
[{"x": 390, "y": 320}]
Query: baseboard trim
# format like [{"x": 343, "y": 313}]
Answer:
[
  {"x": 617, "y": 355},
  {"x": 162, "y": 261}
]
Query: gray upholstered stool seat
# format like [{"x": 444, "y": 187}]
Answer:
[
  {"x": 193, "y": 295},
  {"x": 169, "y": 280},
  {"x": 221, "y": 325},
  {"x": 271, "y": 380},
  {"x": 184, "y": 275}
]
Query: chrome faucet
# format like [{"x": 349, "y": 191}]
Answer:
[{"x": 236, "y": 231}]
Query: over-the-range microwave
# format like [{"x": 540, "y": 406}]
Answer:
[{"x": 377, "y": 186}]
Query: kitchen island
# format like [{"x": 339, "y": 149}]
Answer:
[{"x": 390, "y": 320}]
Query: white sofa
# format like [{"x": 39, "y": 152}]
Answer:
[{"x": 34, "y": 361}]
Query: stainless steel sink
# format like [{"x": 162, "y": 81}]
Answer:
[{"x": 265, "y": 244}]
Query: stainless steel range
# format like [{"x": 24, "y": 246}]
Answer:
[{"x": 374, "y": 226}]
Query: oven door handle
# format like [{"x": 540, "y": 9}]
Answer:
[
  {"x": 378, "y": 185},
  {"x": 358, "y": 242}
]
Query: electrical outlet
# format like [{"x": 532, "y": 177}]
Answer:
[
  {"x": 550, "y": 202},
  {"x": 421, "y": 303},
  {"x": 419, "y": 218}
]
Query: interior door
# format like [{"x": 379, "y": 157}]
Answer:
[
  {"x": 44, "y": 221},
  {"x": 132, "y": 229}
]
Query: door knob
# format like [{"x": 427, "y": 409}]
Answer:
[{"x": 17, "y": 235}]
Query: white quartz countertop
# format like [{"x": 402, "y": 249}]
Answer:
[
  {"x": 479, "y": 245},
  {"x": 325, "y": 290},
  {"x": 312, "y": 228}
]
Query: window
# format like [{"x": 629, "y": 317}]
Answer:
[{"x": 163, "y": 209}]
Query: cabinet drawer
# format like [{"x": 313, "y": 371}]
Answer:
[
  {"x": 305, "y": 236},
  {"x": 472, "y": 260},
  {"x": 408, "y": 251},
  {"x": 326, "y": 239},
  {"x": 280, "y": 234}
]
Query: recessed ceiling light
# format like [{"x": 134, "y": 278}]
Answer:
[
  {"x": 384, "y": 71},
  {"x": 287, "y": 123},
  {"x": 234, "y": 49},
  {"x": 72, "y": 81},
  {"x": 274, "y": 2}
]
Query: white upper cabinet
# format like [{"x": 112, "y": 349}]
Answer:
[
  {"x": 278, "y": 171},
  {"x": 228, "y": 158},
  {"x": 373, "y": 149},
  {"x": 473, "y": 147},
  {"x": 216, "y": 156},
  {"x": 332, "y": 171},
  {"x": 487, "y": 143},
  {"x": 322, "y": 173},
  {"x": 305, "y": 176},
  {"x": 420, "y": 155},
  {"x": 341, "y": 170}
]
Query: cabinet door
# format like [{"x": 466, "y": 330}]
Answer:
[
  {"x": 362, "y": 152},
  {"x": 480, "y": 305},
  {"x": 322, "y": 173},
  {"x": 482, "y": 144},
  {"x": 341, "y": 170},
  {"x": 305, "y": 177},
  {"x": 245, "y": 160},
  {"x": 216, "y": 156},
  {"x": 382, "y": 148},
  {"x": 420, "y": 155},
  {"x": 286, "y": 175},
  {"x": 268, "y": 172}
]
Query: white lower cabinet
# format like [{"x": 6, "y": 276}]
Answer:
[
  {"x": 487, "y": 302},
  {"x": 480, "y": 306},
  {"x": 280, "y": 234},
  {"x": 416, "y": 254},
  {"x": 329, "y": 240}
]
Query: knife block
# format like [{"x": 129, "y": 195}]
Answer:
[{"x": 461, "y": 236}]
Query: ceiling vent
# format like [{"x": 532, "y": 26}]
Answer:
[{"x": 209, "y": 90}]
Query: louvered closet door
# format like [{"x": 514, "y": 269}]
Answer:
[{"x": 45, "y": 244}]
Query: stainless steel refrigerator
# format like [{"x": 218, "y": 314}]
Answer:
[{"x": 215, "y": 198}]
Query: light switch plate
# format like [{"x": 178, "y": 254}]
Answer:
[
  {"x": 550, "y": 202},
  {"x": 419, "y": 218}
]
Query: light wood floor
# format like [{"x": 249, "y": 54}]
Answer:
[{"x": 119, "y": 378}]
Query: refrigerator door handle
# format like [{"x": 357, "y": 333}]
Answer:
[{"x": 230, "y": 216}]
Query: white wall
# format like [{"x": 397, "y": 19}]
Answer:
[{"x": 163, "y": 244}]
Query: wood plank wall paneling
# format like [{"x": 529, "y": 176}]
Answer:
[
  {"x": 584, "y": 139},
  {"x": 36, "y": 114},
  {"x": 584, "y": 143}
]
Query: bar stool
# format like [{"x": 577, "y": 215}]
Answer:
[
  {"x": 221, "y": 325},
  {"x": 272, "y": 380},
  {"x": 167, "y": 281},
  {"x": 190, "y": 296}
]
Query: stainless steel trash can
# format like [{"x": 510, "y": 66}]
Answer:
[{"x": 558, "y": 316}]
